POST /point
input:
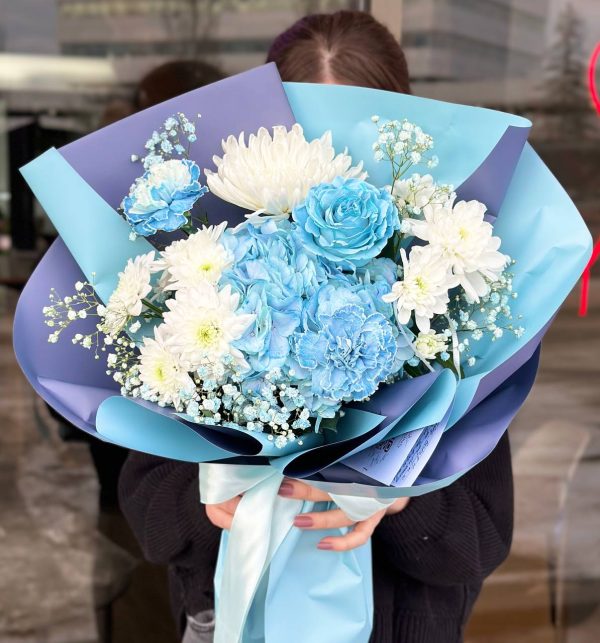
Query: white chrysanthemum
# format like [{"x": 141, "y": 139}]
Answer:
[
  {"x": 430, "y": 344},
  {"x": 467, "y": 241},
  {"x": 202, "y": 323},
  {"x": 200, "y": 257},
  {"x": 271, "y": 175},
  {"x": 424, "y": 287},
  {"x": 163, "y": 377},
  {"x": 126, "y": 300}
]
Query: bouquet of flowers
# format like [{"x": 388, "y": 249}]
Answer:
[
  {"x": 320, "y": 298},
  {"x": 324, "y": 298}
]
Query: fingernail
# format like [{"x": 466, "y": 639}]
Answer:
[
  {"x": 303, "y": 521},
  {"x": 324, "y": 545},
  {"x": 286, "y": 489}
]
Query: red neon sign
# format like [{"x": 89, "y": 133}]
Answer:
[
  {"x": 592, "y": 77},
  {"x": 585, "y": 277}
]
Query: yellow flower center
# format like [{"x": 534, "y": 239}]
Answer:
[
  {"x": 159, "y": 372},
  {"x": 205, "y": 267},
  {"x": 463, "y": 233},
  {"x": 421, "y": 284},
  {"x": 207, "y": 334}
]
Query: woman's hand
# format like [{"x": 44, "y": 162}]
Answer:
[
  {"x": 221, "y": 515},
  {"x": 334, "y": 518}
]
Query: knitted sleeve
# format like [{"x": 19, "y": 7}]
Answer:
[
  {"x": 161, "y": 501},
  {"x": 456, "y": 535}
]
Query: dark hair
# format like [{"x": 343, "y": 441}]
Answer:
[
  {"x": 346, "y": 47},
  {"x": 172, "y": 79}
]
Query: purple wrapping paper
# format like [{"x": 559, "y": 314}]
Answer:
[
  {"x": 236, "y": 104},
  {"x": 493, "y": 176},
  {"x": 75, "y": 393}
]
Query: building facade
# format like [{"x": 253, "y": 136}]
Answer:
[{"x": 461, "y": 40}]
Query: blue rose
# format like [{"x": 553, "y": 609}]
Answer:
[
  {"x": 347, "y": 221},
  {"x": 346, "y": 348},
  {"x": 160, "y": 199}
]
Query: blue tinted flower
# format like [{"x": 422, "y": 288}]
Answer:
[
  {"x": 274, "y": 276},
  {"x": 347, "y": 356},
  {"x": 377, "y": 278},
  {"x": 380, "y": 269},
  {"x": 347, "y": 221},
  {"x": 273, "y": 240},
  {"x": 346, "y": 348},
  {"x": 160, "y": 198}
]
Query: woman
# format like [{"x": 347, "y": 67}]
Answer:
[{"x": 430, "y": 554}]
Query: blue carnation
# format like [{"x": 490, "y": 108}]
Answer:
[
  {"x": 160, "y": 199},
  {"x": 347, "y": 348},
  {"x": 347, "y": 356},
  {"x": 347, "y": 221}
]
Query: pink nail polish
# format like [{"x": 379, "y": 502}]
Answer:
[
  {"x": 303, "y": 521},
  {"x": 325, "y": 545},
  {"x": 286, "y": 489}
]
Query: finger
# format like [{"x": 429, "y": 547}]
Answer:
[
  {"x": 332, "y": 519},
  {"x": 219, "y": 516},
  {"x": 230, "y": 505},
  {"x": 301, "y": 491},
  {"x": 355, "y": 538}
]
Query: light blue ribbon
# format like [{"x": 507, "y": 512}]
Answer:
[{"x": 262, "y": 521}]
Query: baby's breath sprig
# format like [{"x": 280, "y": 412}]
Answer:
[
  {"x": 123, "y": 364},
  {"x": 403, "y": 144},
  {"x": 172, "y": 140},
  {"x": 63, "y": 311},
  {"x": 273, "y": 406},
  {"x": 492, "y": 315}
]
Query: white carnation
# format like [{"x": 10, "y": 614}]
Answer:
[
  {"x": 271, "y": 175},
  {"x": 466, "y": 241}
]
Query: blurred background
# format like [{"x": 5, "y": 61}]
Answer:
[{"x": 70, "y": 570}]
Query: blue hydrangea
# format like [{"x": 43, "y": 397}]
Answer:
[
  {"x": 160, "y": 199},
  {"x": 274, "y": 276},
  {"x": 346, "y": 348},
  {"x": 347, "y": 221}
]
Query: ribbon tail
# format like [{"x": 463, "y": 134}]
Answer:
[{"x": 262, "y": 521}]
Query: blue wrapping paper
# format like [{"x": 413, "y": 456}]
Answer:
[{"x": 483, "y": 153}]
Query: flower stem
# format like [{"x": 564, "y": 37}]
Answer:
[{"x": 151, "y": 306}]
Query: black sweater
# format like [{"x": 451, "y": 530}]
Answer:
[{"x": 429, "y": 561}]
